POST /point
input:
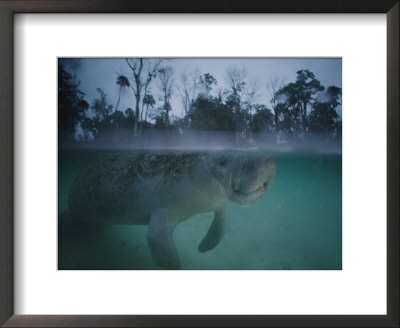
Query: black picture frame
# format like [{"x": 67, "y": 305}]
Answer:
[{"x": 10, "y": 7}]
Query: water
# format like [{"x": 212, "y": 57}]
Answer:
[{"x": 297, "y": 225}]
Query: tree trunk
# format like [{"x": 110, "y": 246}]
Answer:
[
  {"x": 143, "y": 120},
  {"x": 304, "y": 116},
  {"x": 276, "y": 116},
  {"x": 237, "y": 132},
  {"x": 119, "y": 98},
  {"x": 137, "y": 113},
  {"x": 145, "y": 115},
  {"x": 141, "y": 115},
  {"x": 167, "y": 119}
]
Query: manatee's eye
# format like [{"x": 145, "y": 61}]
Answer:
[{"x": 222, "y": 162}]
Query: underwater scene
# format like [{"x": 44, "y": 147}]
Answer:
[{"x": 296, "y": 225}]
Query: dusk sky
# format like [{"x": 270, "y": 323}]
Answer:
[{"x": 102, "y": 73}]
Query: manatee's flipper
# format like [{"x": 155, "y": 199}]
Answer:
[
  {"x": 159, "y": 237},
  {"x": 215, "y": 232}
]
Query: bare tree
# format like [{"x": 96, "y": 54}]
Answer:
[
  {"x": 188, "y": 89},
  {"x": 165, "y": 76},
  {"x": 194, "y": 84},
  {"x": 144, "y": 70},
  {"x": 184, "y": 93},
  {"x": 236, "y": 79},
  {"x": 251, "y": 92},
  {"x": 272, "y": 86}
]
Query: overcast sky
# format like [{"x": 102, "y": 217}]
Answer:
[{"x": 102, "y": 73}]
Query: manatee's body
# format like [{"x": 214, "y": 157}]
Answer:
[{"x": 162, "y": 190}]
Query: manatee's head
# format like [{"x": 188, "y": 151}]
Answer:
[{"x": 244, "y": 178}]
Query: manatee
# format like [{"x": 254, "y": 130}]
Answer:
[{"x": 161, "y": 190}]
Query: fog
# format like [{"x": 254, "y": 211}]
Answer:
[{"x": 192, "y": 140}]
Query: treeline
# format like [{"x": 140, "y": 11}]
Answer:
[{"x": 293, "y": 111}]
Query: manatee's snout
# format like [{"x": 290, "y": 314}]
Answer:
[{"x": 257, "y": 175}]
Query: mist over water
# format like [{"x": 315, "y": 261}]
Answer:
[
  {"x": 195, "y": 140},
  {"x": 297, "y": 225}
]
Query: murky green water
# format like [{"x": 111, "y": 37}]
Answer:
[{"x": 297, "y": 225}]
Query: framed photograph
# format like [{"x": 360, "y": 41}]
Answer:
[
  {"x": 199, "y": 165},
  {"x": 205, "y": 142}
]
